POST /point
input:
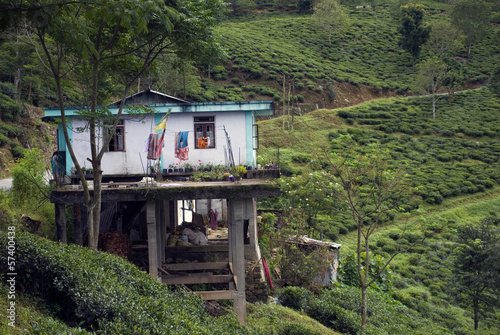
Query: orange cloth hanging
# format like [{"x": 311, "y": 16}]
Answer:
[{"x": 202, "y": 142}]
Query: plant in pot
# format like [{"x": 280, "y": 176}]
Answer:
[
  {"x": 238, "y": 171},
  {"x": 188, "y": 167}
]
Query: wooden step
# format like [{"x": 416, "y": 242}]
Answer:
[
  {"x": 197, "y": 279},
  {"x": 216, "y": 295},
  {"x": 193, "y": 266}
]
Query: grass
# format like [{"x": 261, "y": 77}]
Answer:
[
  {"x": 31, "y": 314},
  {"x": 266, "y": 318}
]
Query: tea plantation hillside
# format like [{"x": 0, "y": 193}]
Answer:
[
  {"x": 457, "y": 153},
  {"x": 453, "y": 163},
  {"x": 366, "y": 63}
]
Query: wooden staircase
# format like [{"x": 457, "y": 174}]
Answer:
[{"x": 201, "y": 273}]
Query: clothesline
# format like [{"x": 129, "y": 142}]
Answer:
[{"x": 190, "y": 131}]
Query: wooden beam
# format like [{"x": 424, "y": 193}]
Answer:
[
  {"x": 181, "y": 191},
  {"x": 197, "y": 248},
  {"x": 60, "y": 214},
  {"x": 196, "y": 279},
  {"x": 160, "y": 235},
  {"x": 77, "y": 224},
  {"x": 237, "y": 257},
  {"x": 216, "y": 295},
  {"x": 152, "y": 239},
  {"x": 196, "y": 266}
]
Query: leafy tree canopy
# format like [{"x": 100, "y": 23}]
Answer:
[
  {"x": 477, "y": 265},
  {"x": 472, "y": 18},
  {"x": 412, "y": 29}
]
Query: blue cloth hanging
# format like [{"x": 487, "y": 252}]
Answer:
[{"x": 183, "y": 139}]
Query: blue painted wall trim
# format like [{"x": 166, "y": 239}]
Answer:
[
  {"x": 249, "y": 132},
  {"x": 62, "y": 146}
]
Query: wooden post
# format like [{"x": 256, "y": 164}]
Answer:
[
  {"x": 77, "y": 224},
  {"x": 163, "y": 229},
  {"x": 160, "y": 236},
  {"x": 172, "y": 215},
  {"x": 60, "y": 214},
  {"x": 152, "y": 239},
  {"x": 237, "y": 255}
]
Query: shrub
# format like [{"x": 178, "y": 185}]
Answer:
[
  {"x": 28, "y": 179},
  {"x": 4, "y": 140},
  {"x": 10, "y": 110},
  {"x": 10, "y": 130},
  {"x": 325, "y": 309},
  {"x": 295, "y": 297},
  {"x": 108, "y": 293},
  {"x": 289, "y": 328}
]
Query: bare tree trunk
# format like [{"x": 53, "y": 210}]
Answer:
[
  {"x": 475, "y": 304},
  {"x": 364, "y": 282},
  {"x": 434, "y": 106},
  {"x": 364, "y": 308}
]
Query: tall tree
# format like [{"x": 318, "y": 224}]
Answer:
[
  {"x": 412, "y": 29},
  {"x": 472, "y": 18},
  {"x": 477, "y": 265},
  {"x": 436, "y": 74},
  {"x": 101, "y": 48},
  {"x": 370, "y": 192},
  {"x": 331, "y": 16},
  {"x": 444, "y": 38},
  {"x": 431, "y": 75}
]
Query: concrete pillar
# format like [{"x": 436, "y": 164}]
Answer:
[
  {"x": 60, "y": 214},
  {"x": 163, "y": 228},
  {"x": 251, "y": 216},
  {"x": 152, "y": 238},
  {"x": 236, "y": 211},
  {"x": 252, "y": 251}
]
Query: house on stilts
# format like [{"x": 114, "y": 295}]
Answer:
[{"x": 149, "y": 212}]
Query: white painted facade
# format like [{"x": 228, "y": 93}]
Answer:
[{"x": 236, "y": 118}]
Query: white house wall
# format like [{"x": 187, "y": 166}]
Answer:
[{"x": 134, "y": 159}]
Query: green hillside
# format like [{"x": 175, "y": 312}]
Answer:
[
  {"x": 367, "y": 62},
  {"x": 452, "y": 162},
  {"x": 362, "y": 87}
]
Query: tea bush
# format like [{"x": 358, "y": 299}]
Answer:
[
  {"x": 339, "y": 307},
  {"x": 440, "y": 166},
  {"x": 10, "y": 109},
  {"x": 105, "y": 292},
  {"x": 295, "y": 297}
]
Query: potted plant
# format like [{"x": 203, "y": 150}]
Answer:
[
  {"x": 188, "y": 167},
  {"x": 238, "y": 171}
]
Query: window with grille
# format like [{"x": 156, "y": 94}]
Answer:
[
  {"x": 204, "y": 132},
  {"x": 117, "y": 142}
]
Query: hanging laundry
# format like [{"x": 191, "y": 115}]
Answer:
[
  {"x": 213, "y": 219},
  {"x": 183, "y": 139},
  {"x": 153, "y": 146},
  {"x": 181, "y": 146},
  {"x": 202, "y": 142}
]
